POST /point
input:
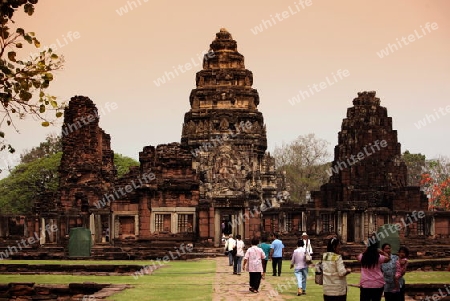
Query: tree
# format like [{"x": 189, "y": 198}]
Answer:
[
  {"x": 22, "y": 80},
  {"x": 123, "y": 164},
  {"x": 436, "y": 183},
  {"x": 305, "y": 161},
  {"x": 415, "y": 164},
  {"x": 30, "y": 179},
  {"x": 52, "y": 145}
]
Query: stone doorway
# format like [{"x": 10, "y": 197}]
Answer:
[{"x": 228, "y": 222}]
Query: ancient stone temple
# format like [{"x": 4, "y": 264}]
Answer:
[
  {"x": 219, "y": 179},
  {"x": 213, "y": 183},
  {"x": 368, "y": 179}
]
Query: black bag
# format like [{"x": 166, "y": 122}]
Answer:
[
  {"x": 234, "y": 251},
  {"x": 226, "y": 253},
  {"x": 318, "y": 277}
]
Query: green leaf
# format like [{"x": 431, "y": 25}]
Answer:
[
  {"x": 54, "y": 56},
  {"x": 59, "y": 114},
  {"x": 28, "y": 39},
  {"x": 12, "y": 56},
  {"x": 45, "y": 123},
  {"x": 41, "y": 94},
  {"x": 20, "y": 31},
  {"x": 41, "y": 108},
  {"x": 19, "y": 45},
  {"x": 54, "y": 103},
  {"x": 2, "y": 134},
  {"x": 48, "y": 76},
  {"x": 37, "y": 43}
]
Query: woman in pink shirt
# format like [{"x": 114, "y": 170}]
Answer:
[
  {"x": 372, "y": 279},
  {"x": 254, "y": 257}
]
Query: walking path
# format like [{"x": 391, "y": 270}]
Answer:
[{"x": 235, "y": 287}]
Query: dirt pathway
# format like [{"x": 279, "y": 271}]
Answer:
[{"x": 234, "y": 287}]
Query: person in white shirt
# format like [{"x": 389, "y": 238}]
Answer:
[
  {"x": 239, "y": 255},
  {"x": 229, "y": 245},
  {"x": 307, "y": 243}
]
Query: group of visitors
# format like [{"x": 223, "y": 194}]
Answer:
[{"x": 381, "y": 271}]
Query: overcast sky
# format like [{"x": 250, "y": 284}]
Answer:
[{"x": 116, "y": 50}]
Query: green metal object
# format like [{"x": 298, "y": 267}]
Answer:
[
  {"x": 80, "y": 242},
  {"x": 388, "y": 233}
]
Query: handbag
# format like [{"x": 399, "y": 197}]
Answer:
[
  {"x": 318, "y": 277},
  {"x": 226, "y": 253},
  {"x": 308, "y": 258}
]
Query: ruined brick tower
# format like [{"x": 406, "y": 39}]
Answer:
[
  {"x": 227, "y": 137},
  {"x": 368, "y": 182},
  {"x": 87, "y": 165}
]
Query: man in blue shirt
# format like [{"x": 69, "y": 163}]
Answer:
[{"x": 276, "y": 254}]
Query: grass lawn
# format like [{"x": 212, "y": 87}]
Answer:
[
  {"x": 188, "y": 280},
  {"x": 193, "y": 280}
]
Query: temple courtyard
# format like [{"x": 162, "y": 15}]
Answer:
[{"x": 194, "y": 279}]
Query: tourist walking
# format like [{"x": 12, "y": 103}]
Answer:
[
  {"x": 276, "y": 254},
  {"x": 298, "y": 262},
  {"x": 253, "y": 264},
  {"x": 372, "y": 279},
  {"x": 400, "y": 270},
  {"x": 307, "y": 243},
  {"x": 229, "y": 245},
  {"x": 239, "y": 255},
  {"x": 266, "y": 248},
  {"x": 334, "y": 273},
  {"x": 389, "y": 269}
]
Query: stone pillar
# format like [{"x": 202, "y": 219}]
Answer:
[
  {"x": 318, "y": 224},
  {"x": 303, "y": 229},
  {"x": 92, "y": 224},
  {"x": 136, "y": 225},
  {"x": 246, "y": 224},
  {"x": 344, "y": 227},
  {"x": 173, "y": 222},
  {"x": 217, "y": 229},
  {"x": 42, "y": 236},
  {"x": 433, "y": 227},
  {"x": 211, "y": 222},
  {"x": 363, "y": 226}
]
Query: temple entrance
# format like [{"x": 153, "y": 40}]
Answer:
[
  {"x": 351, "y": 230},
  {"x": 227, "y": 222}
]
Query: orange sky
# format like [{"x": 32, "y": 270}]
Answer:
[{"x": 116, "y": 58}]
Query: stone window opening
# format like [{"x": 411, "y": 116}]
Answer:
[
  {"x": 421, "y": 226},
  {"x": 326, "y": 223},
  {"x": 288, "y": 222},
  {"x": 162, "y": 222},
  {"x": 185, "y": 222}
]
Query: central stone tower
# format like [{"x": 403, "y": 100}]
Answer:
[{"x": 227, "y": 137}]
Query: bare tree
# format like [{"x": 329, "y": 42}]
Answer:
[{"x": 305, "y": 161}]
